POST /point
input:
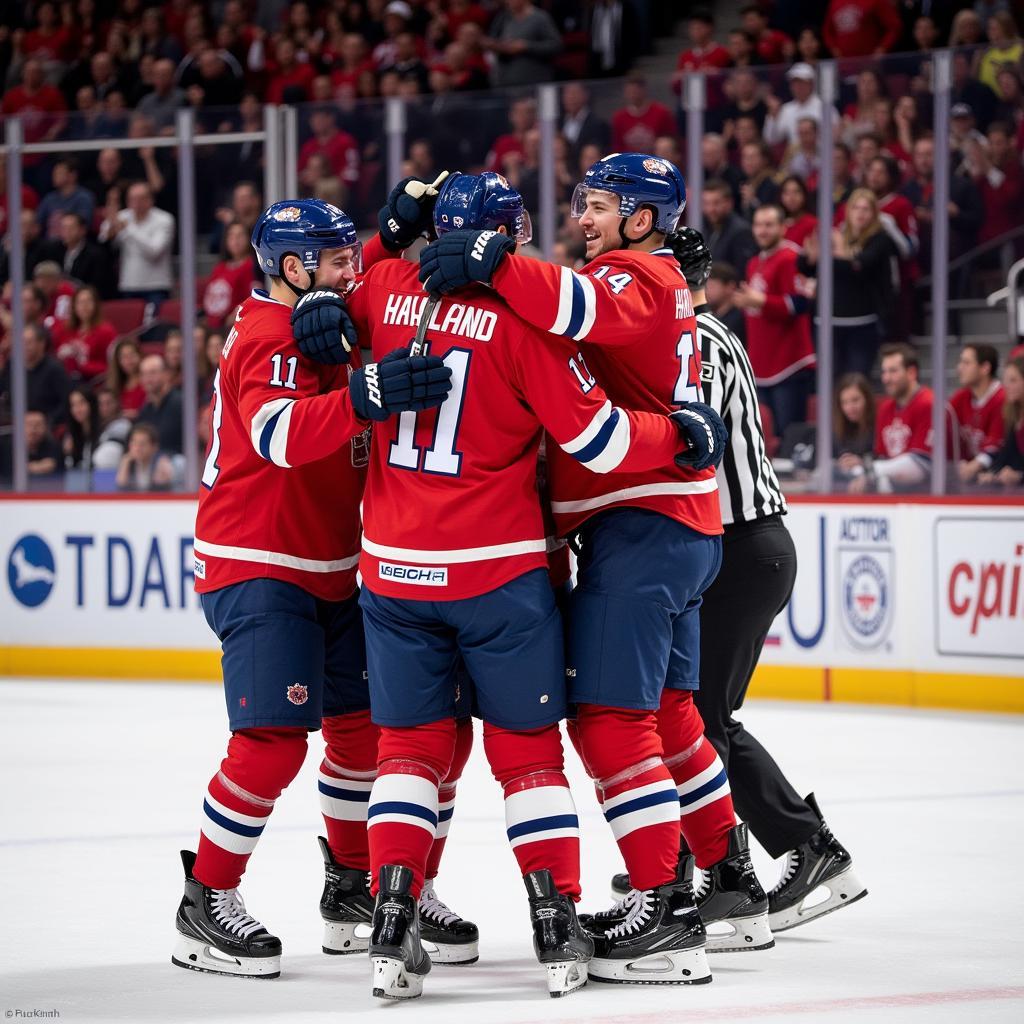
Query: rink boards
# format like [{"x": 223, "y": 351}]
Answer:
[{"x": 897, "y": 602}]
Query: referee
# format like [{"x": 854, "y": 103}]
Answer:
[{"x": 753, "y": 586}]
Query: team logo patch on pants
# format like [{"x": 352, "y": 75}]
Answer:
[{"x": 297, "y": 693}]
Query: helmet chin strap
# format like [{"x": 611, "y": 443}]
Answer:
[{"x": 626, "y": 240}]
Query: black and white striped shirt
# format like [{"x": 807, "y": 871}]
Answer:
[{"x": 747, "y": 485}]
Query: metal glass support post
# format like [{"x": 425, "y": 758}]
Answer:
[
  {"x": 13, "y": 138},
  {"x": 826, "y": 184},
  {"x": 290, "y": 151},
  {"x": 273, "y": 190},
  {"x": 694, "y": 101},
  {"x": 943, "y": 64},
  {"x": 394, "y": 126},
  {"x": 547, "y": 104},
  {"x": 187, "y": 286}
]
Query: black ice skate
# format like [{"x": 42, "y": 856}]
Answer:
[
  {"x": 346, "y": 906},
  {"x": 621, "y": 885},
  {"x": 216, "y": 935},
  {"x": 561, "y": 944},
  {"x": 732, "y": 903},
  {"x": 658, "y": 938},
  {"x": 399, "y": 962},
  {"x": 448, "y": 938},
  {"x": 821, "y": 864}
]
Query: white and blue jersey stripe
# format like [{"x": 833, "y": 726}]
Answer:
[
  {"x": 403, "y": 800},
  {"x": 231, "y": 830},
  {"x": 269, "y": 431},
  {"x": 534, "y": 815},
  {"x": 577, "y": 306},
  {"x": 604, "y": 443},
  {"x": 656, "y": 803}
]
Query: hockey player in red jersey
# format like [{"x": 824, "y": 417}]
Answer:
[
  {"x": 977, "y": 410},
  {"x": 276, "y": 550},
  {"x": 650, "y": 546}
]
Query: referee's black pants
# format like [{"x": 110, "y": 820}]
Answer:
[{"x": 752, "y": 587}]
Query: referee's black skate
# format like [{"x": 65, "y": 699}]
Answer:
[
  {"x": 658, "y": 938},
  {"x": 398, "y": 959},
  {"x": 449, "y": 939},
  {"x": 821, "y": 867},
  {"x": 346, "y": 906},
  {"x": 216, "y": 935},
  {"x": 562, "y": 945}
]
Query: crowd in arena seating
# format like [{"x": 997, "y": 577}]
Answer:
[{"x": 99, "y": 228}]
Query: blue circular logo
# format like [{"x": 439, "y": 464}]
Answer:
[
  {"x": 31, "y": 570},
  {"x": 866, "y": 596}
]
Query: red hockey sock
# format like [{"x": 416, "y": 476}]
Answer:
[
  {"x": 446, "y": 793},
  {"x": 240, "y": 797},
  {"x": 402, "y": 815},
  {"x": 706, "y": 814},
  {"x": 542, "y": 826},
  {"x": 346, "y": 778},
  {"x": 622, "y": 752}
]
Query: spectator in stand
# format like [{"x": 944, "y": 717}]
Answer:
[
  {"x": 396, "y": 19},
  {"x": 43, "y": 112},
  {"x": 350, "y": 61},
  {"x": 795, "y": 200},
  {"x": 721, "y": 294},
  {"x": 524, "y": 41},
  {"x": 29, "y": 197},
  {"x": 154, "y": 40},
  {"x": 704, "y": 53},
  {"x": 615, "y": 38},
  {"x": 742, "y": 49},
  {"x": 109, "y": 178},
  {"x": 728, "y": 235},
  {"x": 745, "y": 132},
  {"x": 773, "y": 47},
  {"x": 143, "y": 466},
  {"x": 82, "y": 436},
  {"x": 995, "y": 169},
  {"x": 231, "y": 281},
  {"x": 174, "y": 355},
  {"x": 641, "y": 120},
  {"x": 339, "y": 148},
  {"x": 842, "y": 175},
  {"x": 977, "y": 411},
  {"x": 113, "y": 435},
  {"x": 746, "y": 100},
  {"x": 885, "y": 128},
  {"x": 46, "y": 380},
  {"x": 57, "y": 293},
  {"x": 49, "y": 41},
  {"x": 861, "y": 28},
  {"x": 968, "y": 92},
  {"x": 36, "y": 248},
  {"x": 1010, "y": 96},
  {"x": 906, "y": 120},
  {"x": 67, "y": 197},
  {"x": 123, "y": 378},
  {"x": 853, "y": 421},
  {"x": 966, "y": 29},
  {"x": 715, "y": 158},
  {"x": 81, "y": 259},
  {"x": 1008, "y": 463},
  {"x": 162, "y": 407},
  {"x": 290, "y": 79},
  {"x": 780, "y": 127},
  {"x": 245, "y": 208},
  {"x": 161, "y": 105},
  {"x": 859, "y": 116},
  {"x": 1005, "y": 50},
  {"x": 580, "y": 125},
  {"x": 864, "y": 278},
  {"x": 809, "y": 47},
  {"x": 777, "y": 308},
  {"x": 407, "y": 61},
  {"x": 903, "y": 429},
  {"x": 869, "y": 147},
  {"x": 84, "y": 341},
  {"x": 144, "y": 237},
  {"x": 522, "y": 117},
  {"x": 802, "y": 159},
  {"x": 208, "y": 360},
  {"x": 44, "y": 456},
  {"x": 759, "y": 187}
]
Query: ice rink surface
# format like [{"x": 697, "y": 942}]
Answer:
[{"x": 102, "y": 784}]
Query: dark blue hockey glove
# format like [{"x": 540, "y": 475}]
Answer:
[
  {"x": 409, "y": 211},
  {"x": 399, "y": 383},
  {"x": 459, "y": 258},
  {"x": 322, "y": 328},
  {"x": 705, "y": 434}
]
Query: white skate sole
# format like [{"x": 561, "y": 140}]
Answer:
[
  {"x": 673, "y": 967},
  {"x": 342, "y": 938},
  {"x": 452, "y": 954},
  {"x": 392, "y": 981},
  {"x": 834, "y": 894},
  {"x": 739, "y": 934},
  {"x": 565, "y": 976},
  {"x": 196, "y": 955}
]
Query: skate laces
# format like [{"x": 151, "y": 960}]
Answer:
[
  {"x": 229, "y": 910},
  {"x": 623, "y": 906},
  {"x": 701, "y": 884},
  {"x": 792, "y": 863},
  {"x": 436, "y": 909},
  {"x": 639, "y": 912}
]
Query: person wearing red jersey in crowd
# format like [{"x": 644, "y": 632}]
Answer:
[
  {"x": 83, "y": 342},
  {"x": 291, "y": 80},
  {"x": 860, "y": 28},
  {"x": 522, "y": 117},
  {"x": 230, "y": 282},
  {"x": 350, "y": 62},
  {"x": 124, "y": 378},
  {"x": 637, "y": 125},
  {"x": 340, "y": 149},
  {"x": 57, "y": 292},
  {"x": 704, "y": 52},
  {"x": 977, "y": 411},
  {"x": 276, "y": 549},
  {"x": 1007, "y": 466},
  {"x": 49, "y": 41},
  {"x": 773, "y": 46},
  {"x": 795, "y": 200},
  {"x": 903, "y": 429},
  {"x": 42, "y": 109},
  {"x": 650, "y": 547},
  {"x": 995, "y": 167},
  {"x": 775, "y": 300}
]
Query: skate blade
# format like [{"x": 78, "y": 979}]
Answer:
[
  {"x": 844, "y": 889},
  {"x": 672, "y": 967},
  {"x": 452, "y": 954},
  {"x": 739, "y": 934},
  {"x": 392, "y": 981},
  {"x": 565, "y": 977},
  {"x": 342, "y": 938},
  {"x": 195, "y": 955}
]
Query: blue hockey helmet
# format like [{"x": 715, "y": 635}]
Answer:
[
  {"x": 481, "y": 201},
  {"x": 302, "y": 228},
  {"x": 639, "y": 180}
]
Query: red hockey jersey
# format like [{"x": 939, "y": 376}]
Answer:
[
  {"x": 285, "y": 466},
  {"x": 908, "y": 428},
  {"x": 779, "y": 334},
  {"x": 451, "y": 507},
  {"x": 979, "y": 424},
  {"x": 633, "y": 314}
]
